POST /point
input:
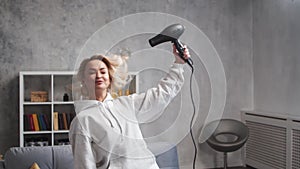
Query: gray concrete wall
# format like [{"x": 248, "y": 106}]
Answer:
[
  {"x": 47, "y": 35},
  {"x": 276, "y": 54}
]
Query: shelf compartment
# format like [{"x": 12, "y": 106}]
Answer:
[
  {"x": 62, "y": 85},
  {"x": 42, "y": 139},
  {"x": 61, "y": 139},
  {"x": 36, "y": 83},
  {"x": 36, "y": 118},
  {"x": 62, "y": 116}
]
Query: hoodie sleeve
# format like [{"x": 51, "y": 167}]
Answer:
[
  {"x": 151, "y": 103},
  {"x": 82, "y": 150},
  {"x": 81, "y": 147}
]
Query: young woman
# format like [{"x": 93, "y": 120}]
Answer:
[{"x": 105, "y": 132}]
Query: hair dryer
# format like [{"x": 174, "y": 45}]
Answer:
[{"x": 171, "y": 33}]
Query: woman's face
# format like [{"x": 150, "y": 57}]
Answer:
[{"x": 96, "y": 76}]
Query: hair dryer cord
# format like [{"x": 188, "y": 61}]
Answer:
[{"x": 193, "y": 116}]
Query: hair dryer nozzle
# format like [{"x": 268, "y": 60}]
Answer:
[
  {"x": 158, "y": 39},
  {"x": 170, "y": 33}
]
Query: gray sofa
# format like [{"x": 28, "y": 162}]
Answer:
[{"x": 60, "y": 157}]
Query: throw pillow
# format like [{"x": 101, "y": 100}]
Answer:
[{"x": 35, "y": 166}]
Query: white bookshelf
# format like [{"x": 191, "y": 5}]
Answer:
[{"x": 56, "y": 83}]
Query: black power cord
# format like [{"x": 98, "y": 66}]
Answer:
[{"x": 193, "y": 116}]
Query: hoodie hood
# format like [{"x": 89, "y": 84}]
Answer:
[{"x": 81, "y": 105}]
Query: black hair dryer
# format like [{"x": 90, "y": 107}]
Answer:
[{"x": 171, "y": 33}]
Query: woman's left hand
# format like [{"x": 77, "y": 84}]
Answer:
[{"x": 186, "y": 54}]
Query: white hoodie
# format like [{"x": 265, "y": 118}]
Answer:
[{"x": 107, "y": 134}]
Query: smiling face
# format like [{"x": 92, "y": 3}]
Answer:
[{"x": 96, "y": 78}]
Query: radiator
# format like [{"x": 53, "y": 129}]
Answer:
[
  {"x": 274, "y": 140},
  {"x": 296, "y": 148}
]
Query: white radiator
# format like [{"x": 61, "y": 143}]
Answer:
[
  {"x": 274, "y": 140},
  {"x": 296, "y": 148}
]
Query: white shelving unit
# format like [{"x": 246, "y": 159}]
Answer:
[{"x": 56, "y": 83}]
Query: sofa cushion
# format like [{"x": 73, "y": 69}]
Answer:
[
  {"x": 63, "y": 157},
  {"x": 165, "y": 154},
  {"x": 1, "y": 164},
  {"x": 23, "y": 158}
]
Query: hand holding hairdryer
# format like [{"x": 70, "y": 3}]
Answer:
[
  {"x": 172, "y": 33},
  {"x": 178, "y": 58}
]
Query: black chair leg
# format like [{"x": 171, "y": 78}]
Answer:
[{"x": 225, "y": 160}]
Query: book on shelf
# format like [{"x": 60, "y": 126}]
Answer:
[
  {"x": 31, "y": 122},
  {"x": 36, "y": 122},
  {"x": 62, "y": 121},
  {"x": 41, "y": 125},
  {"x": 68, "y": 116},
  {"x": 66, "y": 127},
  {"x": 46, "y": 120},
  {"x": 55, "y": 120},
  {"x": 28, "y": 122}
]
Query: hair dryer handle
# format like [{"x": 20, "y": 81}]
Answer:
[{"x": 180, "y": 50}]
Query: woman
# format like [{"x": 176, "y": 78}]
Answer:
[{"x": 106, "y": 132}]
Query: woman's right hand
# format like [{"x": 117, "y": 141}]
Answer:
[{"x": 186, "y": 54}]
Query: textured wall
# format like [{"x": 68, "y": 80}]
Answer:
[
  {"x": 276, "y": 40},
  {"x": 47, "y": 35}
]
